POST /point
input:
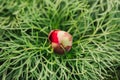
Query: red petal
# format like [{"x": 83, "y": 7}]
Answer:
[{"x": 53, "y": 36}]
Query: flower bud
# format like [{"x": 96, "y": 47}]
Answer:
[{"x": 61, "y": 41}]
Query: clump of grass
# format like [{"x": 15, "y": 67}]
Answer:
[{"x": 25, "y": 52}]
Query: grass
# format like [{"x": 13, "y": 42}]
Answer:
[{"x": 26, "y": 54}]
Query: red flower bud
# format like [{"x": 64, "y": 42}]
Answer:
[{"x": 61, "y": 41}]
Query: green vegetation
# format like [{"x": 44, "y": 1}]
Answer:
[{"x": 26, "y": 54}]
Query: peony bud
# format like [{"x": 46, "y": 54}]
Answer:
[{"x": 61, "y": 41}]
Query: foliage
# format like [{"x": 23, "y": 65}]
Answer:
[{"x": 26, "y": 54}]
